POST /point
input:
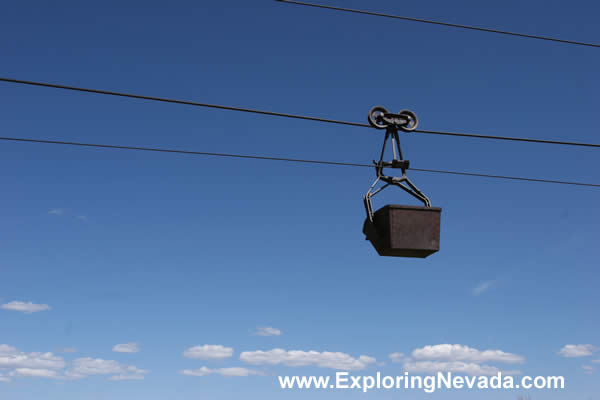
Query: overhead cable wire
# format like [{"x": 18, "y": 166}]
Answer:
[
  {"x": 427, "y": 21},
  {"x": 295, "y": 160},
  {"x": 284, "y": 115},
  {"x": 185, "y": 102}
]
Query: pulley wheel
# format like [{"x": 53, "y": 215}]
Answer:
[
  {"x": 376, "y": 117},
  {"x": 413, "y": 121}
]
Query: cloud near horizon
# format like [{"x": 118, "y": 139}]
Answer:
[
  {"x": 233, "y": 371},
  {"x": 268, "y": 331},
  {"x": 458, "y": 359},
  {"x": 126, "y": 348},
  {"x": 209, "y": 351},
  {"x": 457, "y": 352},
  {"x": 300, "y": 358},
  {"x": 577, "y": 350},
  {"x": 19, "y": 364},
  {"x": 25, "y": 307},
  {"x": 84, "y": 367}
]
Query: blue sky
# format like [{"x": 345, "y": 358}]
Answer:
[{"x": 169, "y": 252}]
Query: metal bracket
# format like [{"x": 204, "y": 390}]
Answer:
[{"x": 406, "y": 121}]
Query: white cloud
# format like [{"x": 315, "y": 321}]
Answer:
[
  {"x": 596, "y": 361},
  {"x": 299, "y": 358},
  {"x": 11, "y": 358},
  {"x": 84, "y": 367},
  {"x": 234, "y": 371},
  {"x": 268, "y": 331},
  {"x": 588, "y": 369},
  {"x": 82, "y": 217},
  {"x": 202, "y": 371},
  {"x": 398, "y": 357},
  {"x": 34, "y": 372},
  {"x": 128, "y": 377},
  {"x": 57, "y": 211},
  {"x": 130, "y": 373},
  {"x": 237, "y": 371},
  {"x": 126, "y": 348},
  {"x": 482, "y": 288},
  {"x": 89, "y": 366},
  {"x": 26, "y": 308},
  {"x": 457, "y": 352},
  {"x": 208, "y": 351},
  {"x": 577, "y": 350},
  {"x": 458, "y": 359},
  {"x": 18, "y": 364},
  {"x": 6, "y": 349},
  {"x": 456, "y": 367}
]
